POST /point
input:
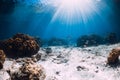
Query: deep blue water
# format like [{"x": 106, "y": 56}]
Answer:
[{"x": 48, "y": 18}]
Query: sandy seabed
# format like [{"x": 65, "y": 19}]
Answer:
[{"x": 74, "y": 63}]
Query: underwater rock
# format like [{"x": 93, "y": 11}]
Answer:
[
  {"x": 89, "y": 40},
  {"x": 79, "y": 68},
  {"x": 82, "y": 40},
  {"x": 48, "y": 50},
  {"x": 20, "y": 45},
  {"x": 2, "y": 58},
  {"x": 29, "y": 71},
  {"x": 56, "y": 42},
  {"x": 111, "y": 38},
  {"x": 114, "y": 56}
]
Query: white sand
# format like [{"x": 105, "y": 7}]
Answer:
[{"x": 62, "y": 63}]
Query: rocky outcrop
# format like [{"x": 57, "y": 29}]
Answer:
[
  {"x": 28, "y": 71},
  {"x": 2, "y": 58},
  {"x": 114, "y": 56},
  {"x": 89, "y": 40},
  {"x": 20, "y": 45}
]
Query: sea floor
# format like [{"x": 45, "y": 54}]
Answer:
[{"x": 74, "y": 63}]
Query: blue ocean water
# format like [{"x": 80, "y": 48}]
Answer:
[{"x": 61, "y": 18}]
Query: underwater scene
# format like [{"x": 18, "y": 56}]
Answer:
[{"x": 59, "y": 39}]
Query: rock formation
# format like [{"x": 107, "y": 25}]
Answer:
[
  {"x": 29, "y": 71},
  {"x": 89, "y": 40},
  {"x": 20, "y": 45},
  {"x": 113, "y": 56}
]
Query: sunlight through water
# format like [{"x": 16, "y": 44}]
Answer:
[
  {"x": 76, "y": 17},
  {"x": 72, "y": 11},
  {"x": 63, "y": 18}
]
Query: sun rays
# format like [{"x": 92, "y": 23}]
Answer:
[
  {"x": 72, "y": 11},
  {"x": 73, "y": 17}
]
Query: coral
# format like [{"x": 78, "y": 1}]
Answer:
[
  {"x": 20, "y": 45},
  {"x": 113, "y": 56},
  {"x": 29, "y": 71},
  {"x": 89, "y": 40},
  {"x": 2, "y": 58}
]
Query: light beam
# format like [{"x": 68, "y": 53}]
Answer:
[{"x": 73, "y": 11}]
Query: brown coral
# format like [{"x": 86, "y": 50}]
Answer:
[
  {"x": 113, "y": 56},
  {"x": 20, "y": 45},
  {"x": 29, "y": 71},
  {"x": 2, "y": 58}
]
